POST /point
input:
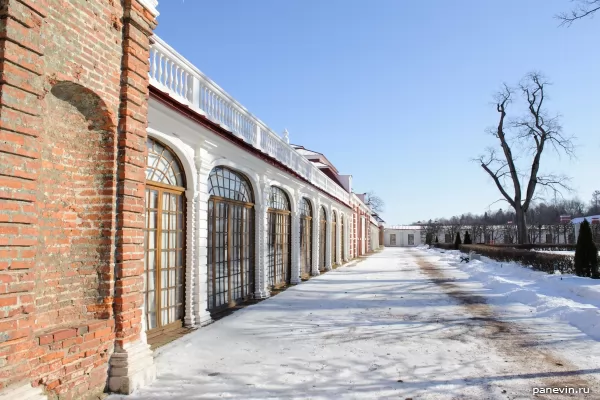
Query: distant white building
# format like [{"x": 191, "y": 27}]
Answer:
[
  {"x": 402, "y": 236},
  {"x": 592, "y": 219}
]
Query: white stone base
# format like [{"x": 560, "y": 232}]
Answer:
[
  {"x": 131, "y": 368},
  {"x": 315, "y": 273},
  {"x": 22, "y": 391},
  {"x": 204, "y": 319},
  {"x": 261, "y": 294}
]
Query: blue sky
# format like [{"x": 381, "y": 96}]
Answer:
[{"x": 397, "y": 92}]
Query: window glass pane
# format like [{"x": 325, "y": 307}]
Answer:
[
  {"x": 151, "y": 219},
  {"x": 164, "y": 276},
  {"x": 151, "y": 306},
  {"x": 179, "y": 260},
  {"x": 172, "y": 258},
  {"x": 163, "y": 298},
  {"x": 150, "y": 278},
  {"x": 172, "y": 281},
  {"x": 165, "y": 221},
  {"x": 151, "y": 239},
  {"x": 152, "y": 321}
]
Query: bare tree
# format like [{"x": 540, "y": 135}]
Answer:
[
  {"x": 581, "y": 9},
  {"x": 375, "y": 202},
  {"x": 535, "y": 130},
  {"x": 595, "y": 203}
]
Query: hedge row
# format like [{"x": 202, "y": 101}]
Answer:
[
  {"x": 551, "y": 247},
  {"x": 537, "y": 261},
  {"x": 445, "y": 246}
]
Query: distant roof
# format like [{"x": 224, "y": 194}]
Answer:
[
  {"x": 319, "y": 159},
  {"x": 580, "y": 219},
  {"x": 377, "y": 217},
  {"x": 405, "y": 227}
]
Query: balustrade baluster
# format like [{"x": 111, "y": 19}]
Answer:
[
  {"x": 180, "y": 82},
  {"x": 210, "y": 103},
  {"x": 152, "y": 63},
  {"x": 160, "y": 70},
  {"x": 176, "y": 80},
  {"x": 168, "y": 70},
  {"x": 179, "y": 78}
]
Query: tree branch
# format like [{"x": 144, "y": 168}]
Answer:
[{"x": 584, "y": 9}]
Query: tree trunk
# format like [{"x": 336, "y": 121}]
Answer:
[{"x": 521, "y": 226}]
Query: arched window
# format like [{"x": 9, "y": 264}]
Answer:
[
  {"x": 305, "y": 238},
  {"x": 279, "y": 238},
  {"x": 322, "y": 238},
  {"x": 164, "y": 262},
  {"x": 163, "y": 166},
  {"x": 230, "y": 258}
]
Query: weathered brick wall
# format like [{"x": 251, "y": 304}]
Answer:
[{"x": 73, "y": 106}]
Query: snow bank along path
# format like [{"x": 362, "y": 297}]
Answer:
[
  {"x": 401, "y": 324},
  {"x": 568, "y": 298}
]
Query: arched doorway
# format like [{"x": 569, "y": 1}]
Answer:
[
  {"x": 164, "y": 239},
  {"x": 305, "y": 238},
  {"x": 230, "y": 258},
  {"x": 322, "y": 238},
  {"x": 279, "y": 239},
  {"x": 333, "y": 237}
]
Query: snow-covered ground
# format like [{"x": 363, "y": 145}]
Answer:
[
  {"x": 403, "y": 323},
  {"x": 563, "y": 252},
  {"x": 564, "y": 297}
]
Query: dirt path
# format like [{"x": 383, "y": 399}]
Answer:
[{"x": 519, "y": 346}]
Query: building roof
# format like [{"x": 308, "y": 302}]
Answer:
[
  {"x": 317, "y": 158},
  {"x": 404, "y": 228},
  {"x": 580, "y": 219}
]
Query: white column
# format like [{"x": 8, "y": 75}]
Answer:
[
  {"x": 315, "y": 237},
  {"x": 338, "y": 238},
  {"x": 328, "y": 248},
  {"x": 295, "y": 244},
  {"x": 200, "y": 282},
  {"x": 346, "y": 251},
  {"x": 190, "y": 257},
  {"x": 260, "y": 281}
]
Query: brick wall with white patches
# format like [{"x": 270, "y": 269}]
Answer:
[{"x": 73, "y": 109}]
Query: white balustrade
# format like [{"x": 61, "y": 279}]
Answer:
[{"x": 173, "y": 74}]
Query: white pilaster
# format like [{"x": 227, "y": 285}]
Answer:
[
  {"x": 295, "y": 238},
  {"x": 315, "y": 237},
  {"x": 191, "y": 267},
  {"x": 338, "y": 247},
  {"x": 261, "y": 290},
  {"x": 131, "y": 366},
  {"x": 328, "y": 248},
  {"x": 201, "y": 315}
]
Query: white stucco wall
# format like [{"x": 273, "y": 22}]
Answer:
[
  {"x": 200, "y": 150},
  {"x": 401, "y": 237},
  {"x": 374, "y": 232}
]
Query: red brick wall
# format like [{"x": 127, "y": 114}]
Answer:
[{"x": 73, "y": 109}]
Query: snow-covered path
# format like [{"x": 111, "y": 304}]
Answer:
[{"x": 399, "y": 324}]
